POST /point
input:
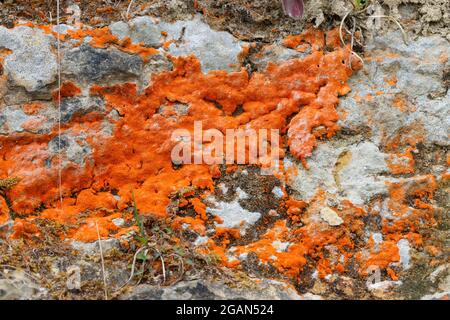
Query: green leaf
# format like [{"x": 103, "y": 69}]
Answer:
[
  {"x": 360, "y": 4},
  {"x": 141, "y": 256},
  {"x": 137, "y": 218}
]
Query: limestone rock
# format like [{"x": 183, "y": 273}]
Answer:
[
  {"x": 90, "y": 64},
  {"x": 206, "y": 290},
  {"x": 32, "y": 63},
  {"x": 330, "y": 216}
]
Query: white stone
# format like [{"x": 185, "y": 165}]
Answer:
[
  {"x": 234, "y": 216},
  {"x": 278, "y": 192},
  {"x": 32, "y": 63},
  {"x": 241, "y": 194},
  {"x": 330, "y": 216},
  {"x": 280, "y": 246},
  {"x": 118, "y": 222},
  {"x": 403, "y": 250}
]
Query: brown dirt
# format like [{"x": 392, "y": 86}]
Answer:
[{"x": 261, "y": 20}]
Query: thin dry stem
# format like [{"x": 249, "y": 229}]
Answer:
[{"x": 103, "y": 262}]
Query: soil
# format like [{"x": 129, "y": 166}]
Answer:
[{"x": 261, "y": 20}]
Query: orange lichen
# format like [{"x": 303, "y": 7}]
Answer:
[
  {"x": 432, "y": 250},
  {"x": 34, "y": 124},
  {"x": 400, "y": 103},
  {"x": 127, "y": 46},
  {"x": 418, "y": 189},
  {"x": 392, "y": 274},
  {"x": 409, "y": 136},
  {"x": 226, "y": 233},
  {"x": 443, "y": 58},
  {"x": 88, "y": 230},
  {"x": 392, "y": 81},
  {"x": 308, "y": 241},
  {"x": 24, "y": 229},
  {"x": 3, "y": 54},
  {"x": 167, "y": 44},
  {"x": 4, "y": 211},
  {"x": 410, "y": 210},
  {"x": 32, "y": 108},
  {"x": 312, "y": 37},
  {"x": 295, "y": 208},
  {"x": 298, "y": 98},
  {"x": 197, "y": 225},
  {"x": 200, "y": 208},
  {"x": 68, "y": 89},
  {"x": 382, "y": 257},
  {"x": 102, "y": 37},
  {"x": 402, "y": 163},
  {"x": 105, "y": 10}
]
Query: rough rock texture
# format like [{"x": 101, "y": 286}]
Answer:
[
  {"x": 90, "y": 65},
  {"x": 32, "y": 63},
  {"x": 362, "y": 190},
  {"x": 215, "y": 50},
  {"x": 202, "y": 290}
]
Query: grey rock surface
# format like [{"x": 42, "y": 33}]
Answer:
[
  {"x": 357, "y": 178},
  {"x": 216, "y": 50},
  {"x": 32, "y": 63},
  {"x": 206, "y": 290},
  {"x": 74, "y": 147},
  {"x": 18, "y": 285},
  {"x": 410, "y": 90},
  {"x": 79, "y": 106},
  {"x": 90, "y": 64},
  {"x": 143, "y": 30}
]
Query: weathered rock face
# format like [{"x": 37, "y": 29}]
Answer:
[
  {"x": 31, "y": 64},
  {"x": 364, "y": 176},
  {"x": 204, "y": 290}
]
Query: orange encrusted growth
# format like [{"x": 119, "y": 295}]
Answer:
[
  {"x": 32, "y": 108},
  {"x": 136, "y": 157},
  {"x": 68, "y": 89},
  {"x": 24, "y": 229},
  {"x": 4, "y": 211},
  {"x": 295, "y": 208},
  {"x": 312, "y": 37},
  {"x": 102, "y": 38},
  {"x": 309, "y": 242},
  {"x": 401, "y": 163}
]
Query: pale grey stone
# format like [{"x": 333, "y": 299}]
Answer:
[
  {"x": 90, "y": 64},
  {"x": 233, "y": 215},
  {"x": 32, "y": 63},
  {"x": 419, "y": 70},
  {"x": 263, "y": 289},
  {"x": 216, "y": 50},
  {"x": 145, "y": 30}
]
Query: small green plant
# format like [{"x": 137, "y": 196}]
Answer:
[
  {"x": 360, "y": 4},
  {"x": 8, "y": 183},
  {"x": 142, "y": 236}
]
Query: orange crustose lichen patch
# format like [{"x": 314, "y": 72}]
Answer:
[
  {"x": 309, "y": 241},
  {"x": 32, "y": 108},
  {"x": 411, "y": 211},
  {"x": 68, "y": 89},
  {"x": 136, "y": 158},
  {"x": 402, "y": 163},
  {"x": 4, "y": 211},
  {"x": 132, "y": 159},
  {"x": 102, "y": 37}
]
